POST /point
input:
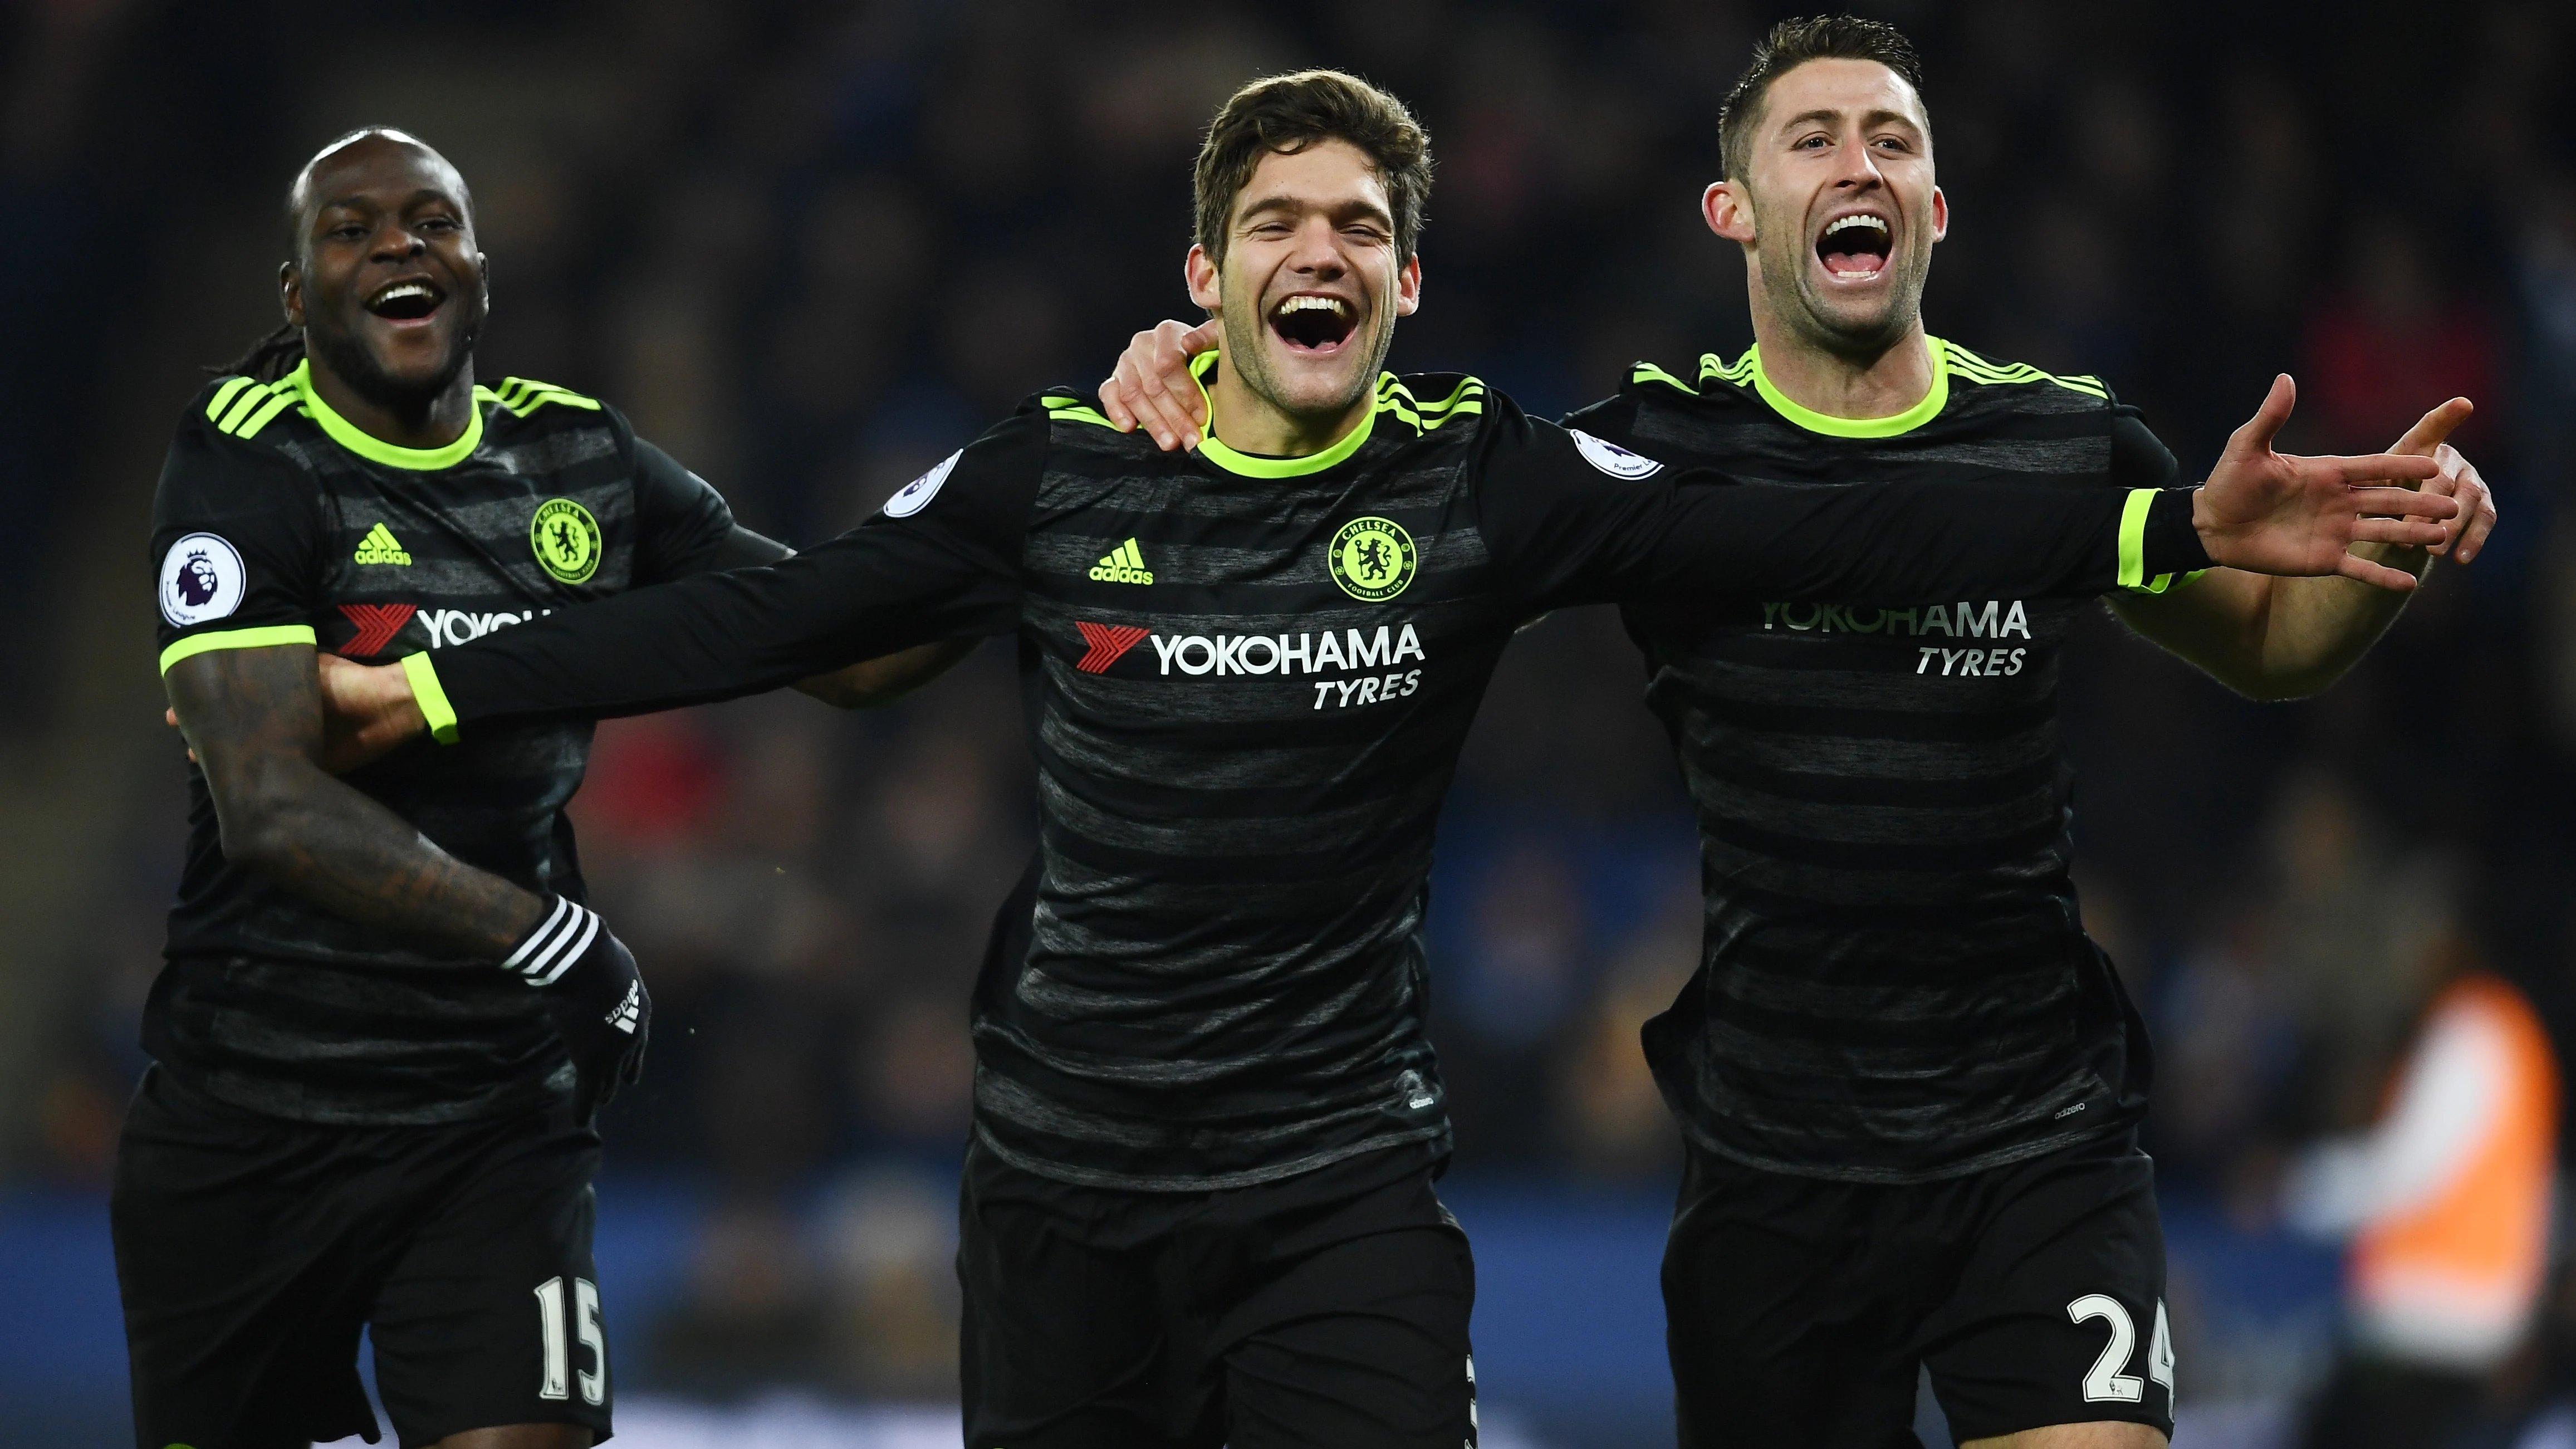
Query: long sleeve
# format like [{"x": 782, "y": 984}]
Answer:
[
  {"x": 1576, "y": 520},
  {"x": 941, "y": 562}
]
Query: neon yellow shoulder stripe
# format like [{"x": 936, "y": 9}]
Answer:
[
  {"x": 1977, "y": 369},
  {"x": 264, "y": 637},
  {"x": 1064, "y": 409},
  {"x": 520, "y": 396},
  {"x": 1648, "y": 372}
]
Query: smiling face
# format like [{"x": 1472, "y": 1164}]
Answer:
[
  {"x": 386, "y": 284},
  {"x": 1310, "y": 284},
  {"x": 1837, "y": 209}
]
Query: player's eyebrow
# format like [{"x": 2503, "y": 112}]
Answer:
[
  {"x": 1346, "y": 211},
  {"x": 1827, "y": 115}
]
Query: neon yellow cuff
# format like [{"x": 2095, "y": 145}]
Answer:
[
  {"x": 2133, "y": 538},
  {"x": 432, "y": 699},
  {"x": 264, "y": 637}
]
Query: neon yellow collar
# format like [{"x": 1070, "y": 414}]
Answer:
[
  {"x": 1907, "y": 421},
  {"x": 366, "y": 445},
  {"x": 1215, "y": 451}
]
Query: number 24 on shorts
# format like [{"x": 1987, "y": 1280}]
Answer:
[
  {"x": 551, "y": 1325},
  {"x": 2104, "y": 1383}
]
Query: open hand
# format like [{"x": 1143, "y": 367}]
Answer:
[
  {"x": 1152, "y": 388},
  {"x": 2467, "y": 533},
  {"x": 2281, "y": 513}
]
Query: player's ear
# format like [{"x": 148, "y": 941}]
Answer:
[
  {"x": 1199, "y": 273},
  {"x": 1408, "y": 286},
  {"x": 290, "y": 293},
  {"x": 1940, "y": 214},
  {"x": 1728, "y": 209}
]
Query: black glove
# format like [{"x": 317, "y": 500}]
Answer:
[{"x": 591, "y": 989}]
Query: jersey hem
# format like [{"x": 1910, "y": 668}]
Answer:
[
  {"x": 2109, "y": 1125},
  {"x": 1079, "y": 1177}
]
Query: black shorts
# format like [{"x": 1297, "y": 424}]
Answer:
[
  {"x": 1325, "y": 1311},
  {"x": 250, "y": 1249},
  {"x": 1799, "y": 1310}
]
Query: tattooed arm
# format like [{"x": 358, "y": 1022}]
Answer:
[{"x": 254, "y": 719}]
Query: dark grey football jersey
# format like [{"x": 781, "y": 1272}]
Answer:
[
  {"x": 1895, "y": 983},
  {"x": 278, "y": 522},
  {"x": 1246, "y": 682}
]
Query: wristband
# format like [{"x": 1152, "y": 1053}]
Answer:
[{"x": 550, "y": 948}]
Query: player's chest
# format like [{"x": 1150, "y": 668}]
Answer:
[
  {"x": 411, "y": 565},
  {"x": 1210, "y": 615},
  {"x": 1970, "y": 642}
]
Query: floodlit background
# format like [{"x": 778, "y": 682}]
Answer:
[{"x": 812, "y": 247}]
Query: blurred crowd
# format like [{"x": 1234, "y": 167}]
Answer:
[{"x": 811, "y": 247}]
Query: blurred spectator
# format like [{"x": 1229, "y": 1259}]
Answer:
[{"x": 2447, "y": 1199}]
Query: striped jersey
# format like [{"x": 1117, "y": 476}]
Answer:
[
  {"x": 1246, "y": 681},
  {"x": 279, "y": 522},
  {"x": 1895, "y": 983}
]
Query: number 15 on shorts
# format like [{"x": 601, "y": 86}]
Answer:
[
  {"x": 2104, "y": 1383},
  {"x": 552, "y": 1322}
]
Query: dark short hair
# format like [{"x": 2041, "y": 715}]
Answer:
[
  {"x": 1792, "y": 43},
  {"x": 1288, "y": 113}
]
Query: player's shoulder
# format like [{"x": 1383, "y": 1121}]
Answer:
[
  {"x": 517, "y": 408},
  {"x": 1439, "y": 405},
  {"x": 1975, "y": 380},
  {"x": 241, "y": 437}
]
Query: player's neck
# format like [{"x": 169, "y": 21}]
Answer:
[
  {"x": 1844, "y": 385},
  {"x": 1250, "y": 423},
  {"x": 434, "y": 423}
]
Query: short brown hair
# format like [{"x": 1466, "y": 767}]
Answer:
[
  {"x": 1792, "y": 43},
  {"x": 1288, "y": 113}
]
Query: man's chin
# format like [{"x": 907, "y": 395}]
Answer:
[{"x": 402, "y": 384}]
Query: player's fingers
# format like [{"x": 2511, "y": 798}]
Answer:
[
  {"x": 1113, "y": 399},
  {"x": 2265, "y": 425},
  {"x": 2433, "y": 427},
  {"x": 2410, "y": 532},
  {"x": 170, "y": 717},
  {"x": 2378, "y": 576},
  {"x": 2401, "y": 503},
  {"x": 2478, "y": 516},
  {"x": 2370, "y": 468}
]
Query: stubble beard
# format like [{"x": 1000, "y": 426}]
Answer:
[
  {"x": 356, "y": 365},
  {"x": 1247, "y": 331},
  {"x": 1792, "y": 292}
]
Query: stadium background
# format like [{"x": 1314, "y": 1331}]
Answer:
[{"x": 812, "y": 247}]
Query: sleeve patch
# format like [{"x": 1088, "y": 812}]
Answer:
[
  {"x": 916, "y": 495},
  {"x": 202, "y": 578},
  {"x": 1612, "y": 459}
]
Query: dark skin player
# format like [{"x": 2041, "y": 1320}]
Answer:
[{"x": 390, "y": 292}]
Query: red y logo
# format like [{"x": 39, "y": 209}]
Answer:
[
  {"x": 1108, "y": 642},
  {"x": 377, "y": 626}
]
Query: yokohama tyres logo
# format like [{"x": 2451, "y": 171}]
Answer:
[
  {"x": 377, "y": 626},
  {"x": 1109, "y": 643}
]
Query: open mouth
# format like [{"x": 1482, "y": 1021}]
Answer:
[
  {"x": 1854, "y": 248},
  {"x": 410, "y": 301},
  {"x": 1309, "y": 323}
]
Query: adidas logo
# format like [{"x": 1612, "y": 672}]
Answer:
[
  {"x": 629, "y": 1011},
  {"x": 1124, "y": 565},
  {"x": 378, "y": 547}
]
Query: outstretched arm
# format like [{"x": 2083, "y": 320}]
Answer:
[
  {"x": 253, "y": 717},
  {"x": 2287, "y": 638},
  {"x": 870, "y": 683}
]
